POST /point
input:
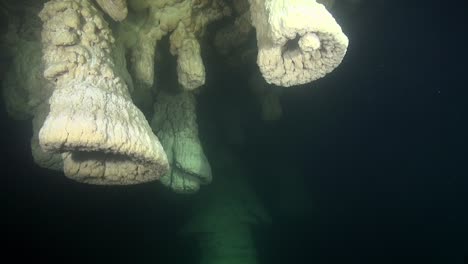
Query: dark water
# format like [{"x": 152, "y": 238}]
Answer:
[{"x": 369, "y": 143}]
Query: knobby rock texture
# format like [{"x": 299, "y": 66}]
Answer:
[
  {"x": 298, "y": 41},
  {"x": 102, "y": 136},
  {"x": 84, "y": 72}
]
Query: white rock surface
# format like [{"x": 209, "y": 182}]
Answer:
[
  {"x": 298, "y": 41},
  {"x": 117, "y": 9},
  {"x": 102, "y": 136}
]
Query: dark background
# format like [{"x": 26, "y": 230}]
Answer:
[{"x": 376, "y": 141}]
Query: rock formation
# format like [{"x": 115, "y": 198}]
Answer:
[
  {"x": 85, "y": 103},
  {"x": 102, "y": 136}
]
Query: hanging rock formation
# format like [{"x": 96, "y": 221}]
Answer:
[
  {"x": 83, "y": 100},
  {"x": 298, "y": 41},
  {"x": 149, "y": 21},
  {"x": 103, "y": 137},
  {"x": 175, "y": 123}
]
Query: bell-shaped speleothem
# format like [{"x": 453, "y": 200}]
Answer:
[
  {"x": 175, "y": 123},
  {"x": 103, "y": 137},
  {"x": 298, "y": 41}
]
